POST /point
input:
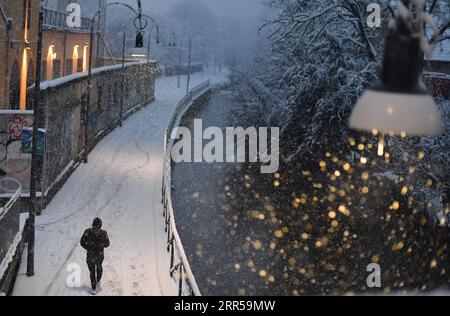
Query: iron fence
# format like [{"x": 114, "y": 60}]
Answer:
[
  {"x": 9, "y": 224},
  {"x": 179, "y": 262}
]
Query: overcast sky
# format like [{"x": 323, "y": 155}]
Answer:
[{"x": 241, "y": 9}]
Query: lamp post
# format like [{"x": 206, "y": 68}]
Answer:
[
  {"x": 149, "y": 45},
  {"x": 140, "y": 24},
  {"x": 180, "y": 57},
  {"x": 34, "y": 147},
  {"x": 189, "y": 65},
  {"x": 215, "y": 61},
  {"x": 399, "y": 103},
  {"x": 122, "y": 78},
  {"x": 150, "y": 40},
  {"x": 203, "y": 61},
  {"x": 173, "y": 44}
]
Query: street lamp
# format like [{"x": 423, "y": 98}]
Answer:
[
  {"x": 34, "y": 149},
  {"x": 180, "y": 58},
  {"x": 399, "y": 103},
  {"x": 189, "y": 64},
  {"x": 203, "y": 60},
  {"x": 150, "y": 42},
  {"x": 215, "y": 60},
  {"x": 140, "y": 23},
  {"x": 139, "y": 52}
]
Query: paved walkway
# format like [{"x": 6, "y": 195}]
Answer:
[{"x": 122, "y": 185}]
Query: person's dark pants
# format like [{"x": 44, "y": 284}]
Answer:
[{"x": 94, "y": 263}]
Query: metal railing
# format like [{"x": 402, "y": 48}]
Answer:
[
  {"x": 184, "y": 104},
  {"x": 58, "y": 20},
  {"x": 9, "y": 223},
  {"x": 179, "y": 263},
  {"x": 196, "y": 91}
]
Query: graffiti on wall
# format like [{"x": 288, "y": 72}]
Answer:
[{"x": 15, "y": 166}]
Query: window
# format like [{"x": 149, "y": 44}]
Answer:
[
  {"x": 80, "y": 65},
  {"x": 69, "y": 66},
  {"x": 56, "y": 68}
]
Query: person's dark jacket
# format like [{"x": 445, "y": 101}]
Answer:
[{"x": 95, "y": 241}]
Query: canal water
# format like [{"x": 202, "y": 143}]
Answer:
[
  {"x": 218, "y": 228},
  {"x": 301, "y": 232}
]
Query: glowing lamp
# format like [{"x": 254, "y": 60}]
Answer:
[{"x": 399, "y": 103}]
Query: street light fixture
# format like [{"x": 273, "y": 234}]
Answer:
[
  {"x": 400, "y": 103},
  {"x": 138, "y": 51}
]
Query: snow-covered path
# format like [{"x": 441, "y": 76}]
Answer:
[{"x": 122, "y": 185}]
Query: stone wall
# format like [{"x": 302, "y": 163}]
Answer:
[
  {"x": 64, "y": 103},
  {"x": 14, "y": 163}
]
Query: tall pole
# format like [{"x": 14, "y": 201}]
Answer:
[
  {"x": 149, "y": 45},
  {"x": 89, "y": 87},
  {"x": 215, "y": 61},
  {"x": 122, "y": 79},
  {"x": 88, "y": 97},
  {"x": 179, "y": 65},
  {"x": 101, "y": 31},
  {"x": 34, "y": 150},
  {"x": 203, "y": 60},
  {"x": 189, "y": 65}
]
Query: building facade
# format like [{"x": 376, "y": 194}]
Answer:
[
  {"x": 18, "y": 32},
  {"x": 65, "y": 49}
]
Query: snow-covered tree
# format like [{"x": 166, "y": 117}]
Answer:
[{"x": 324, "y": 55}]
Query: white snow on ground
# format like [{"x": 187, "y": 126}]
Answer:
[{"x": 122, "y": 185}]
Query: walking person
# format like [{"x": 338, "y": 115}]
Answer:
[{"x": 95, "y": 240}]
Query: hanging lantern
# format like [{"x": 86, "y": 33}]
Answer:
[
  {"x": 399, "y": 104},
  {"x": 139, "y": 52}
]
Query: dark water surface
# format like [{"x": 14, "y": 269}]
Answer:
[
  {"x": 304, "y": 232},
  {"x": 215, "y": 232}
]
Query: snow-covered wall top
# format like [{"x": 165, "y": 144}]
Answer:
[{"x": 66, "y": 79}]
